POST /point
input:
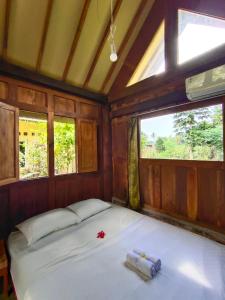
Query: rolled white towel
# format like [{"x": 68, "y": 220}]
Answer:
[
  {"x": 154, "y": 260},
  {"x": 141, "y": 264}
]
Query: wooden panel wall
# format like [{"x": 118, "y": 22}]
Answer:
[
  {"x": 190, "y": 190},
  {"x": 193, "y": 190},
  {"x": 8, "y": 143},
  {"x": 120, "y": 158},
  {"x": 23, "y": 199}
]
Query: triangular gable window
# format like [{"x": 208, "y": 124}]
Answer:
[
  {"x": 198, "y": 34},
  {"x": 153, "y": 61}
]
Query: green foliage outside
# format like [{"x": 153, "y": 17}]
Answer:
[
  {"x": 33, "y": 154},
  {"x": 198, "y": 136},
  {"x": 64, "y": 145}
]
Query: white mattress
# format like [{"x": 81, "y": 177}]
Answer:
[{"x": 72, "y": 264}]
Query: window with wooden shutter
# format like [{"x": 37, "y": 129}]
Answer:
[
  {"x": 9, "y": 119},
  {"x": 87, "y": 146}
]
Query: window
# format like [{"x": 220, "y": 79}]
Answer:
[
  {"x": 33, "y": 156},
  {"x": 190, "y": 135},
  {"x": 153, "y": 61},
  {"x": 64, "y": 145},
  {"x": 198, "y": 34}
]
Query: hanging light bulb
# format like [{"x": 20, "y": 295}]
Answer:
[{"x": 113, "y": 55}]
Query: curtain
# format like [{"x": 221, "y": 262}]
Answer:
[{"x": 133, "y": 170}]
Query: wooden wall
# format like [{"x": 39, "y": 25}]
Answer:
[
  {"x": 26, "y": 198},
  {"x": 189, "y": 190},
  {"x": 192, "y": 190}
]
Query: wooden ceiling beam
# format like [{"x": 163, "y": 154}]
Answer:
[
  {"x": 76, "y": 38},
  {"x": 44, "y": 34},
  {"x": 102, "y": 43},
  {"x": 19, "y": 73},
  {"x": 6, "y": 28},
  {"x": 149, "y": 28},
  {"x": 124, "y": 42}
]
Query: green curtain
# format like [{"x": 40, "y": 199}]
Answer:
[{"x": 133, "y": 170}]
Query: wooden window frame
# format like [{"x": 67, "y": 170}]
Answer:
[
  {"x": 16, "y": 144},
  {"x": 76, "y": 142},
  {"x": 36, "y": 111},
  {"x": 182, "y": 108}
]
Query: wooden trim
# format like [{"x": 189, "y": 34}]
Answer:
[
  {"x": 171, "y": 34},
  {"x": 186, "y": 163},
  {"x": 44, "y": 34},
  {"x": 50, "y": 138},
  {"x": 6, "y": 28},
  {"x": 197, "y": 65},
  {"x": 76, "y": 38},
  {"x": 124, "y": 42},
  {"x": 102, "y": 43},
  {"x": 139, "y": 47},
  {"x": 19, "y": 73},
  {"x": 183, "y": 107}
]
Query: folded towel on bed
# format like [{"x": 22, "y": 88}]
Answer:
[
  {"x": 141, "y": 265},
  {"x": 154, "y": 260}
]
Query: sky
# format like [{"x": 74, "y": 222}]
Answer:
[{"x": 161, "y": 126}]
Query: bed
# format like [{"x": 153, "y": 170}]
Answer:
[{"x": 72, "y": 264}]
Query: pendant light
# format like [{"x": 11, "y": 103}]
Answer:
[{"x": 113, "y": 54}]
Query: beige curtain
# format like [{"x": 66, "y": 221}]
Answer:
[{"x": 133, "y": 170}]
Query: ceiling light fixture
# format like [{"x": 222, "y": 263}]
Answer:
[{"x": 113, "y": 55}]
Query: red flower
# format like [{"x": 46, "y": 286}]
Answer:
[{"x": 101, "y": 235}]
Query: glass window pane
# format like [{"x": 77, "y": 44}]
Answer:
[
  {"x": 153, "y": 61},
  {"x": 33, "y": 156},
  {"x": 189, "y": 135},
  {"x": 64, "y": 145},
  {"x": 198, "y": 34}
]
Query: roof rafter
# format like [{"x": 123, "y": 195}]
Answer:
[
  {"x": 76, "y": 38},
  {"x": 124, "y": 42},
  {"x": 44, "y": 34},
  {"x": 102, "y": 43},
  {"x": 6, "y": 28}
]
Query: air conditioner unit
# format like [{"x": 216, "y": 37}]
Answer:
[{"x": 206, "y": 85}]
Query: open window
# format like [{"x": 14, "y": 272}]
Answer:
[
  {"x": 9, "y": 169},
  {"x": 153, "y": 61},
  {"x": 195, "y": 134},
  {"x": 33, "y": 149},
  {"x": 64, "y": 145},
  {"x": 197, "y": 34}
]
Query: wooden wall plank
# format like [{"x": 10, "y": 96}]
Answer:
[
  {"x": 168, "y": 182},
  {"x": 120, "y": 158},
  {"x": 87, "y": 146},
  {"x": 89, "y": 111},
  {"x": 192, "y": 193},
  {"x": 3, "y": 90},
  {"x": 32, "y": 97},
  {"x": 181, "y": 190},
  {"x": 64, "y": 105},
  {"x": 207, "y": 195}
]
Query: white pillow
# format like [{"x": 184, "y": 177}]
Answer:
[
  {"x": 87, "y": 208},
  {"x": 43, "y": 224}
]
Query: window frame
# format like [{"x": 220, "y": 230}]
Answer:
[
  {"x": 182, "y": 108},
  {"x": 75, "y": 145},
  {"x": 197, "y": 11},
  {"x": 48, "y": 161}
]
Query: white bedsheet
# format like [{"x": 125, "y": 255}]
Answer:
[{"x": 73, "y": 264}]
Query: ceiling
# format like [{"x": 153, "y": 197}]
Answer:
[{"x": 67, "y": 40}]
